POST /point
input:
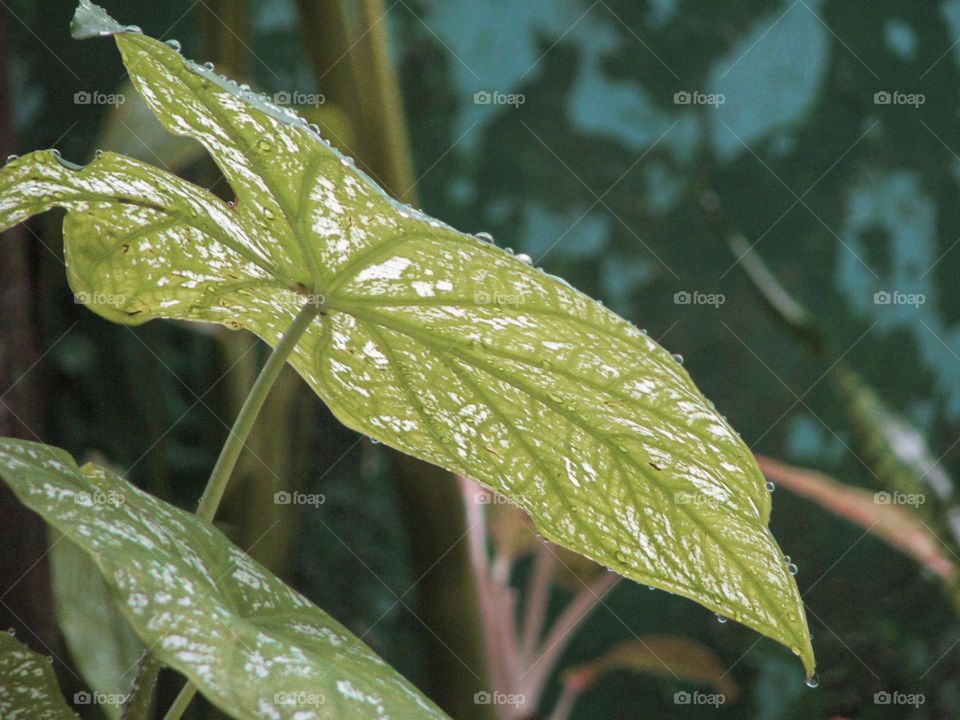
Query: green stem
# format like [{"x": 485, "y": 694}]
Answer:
[
  {"x": 229, "y": 454},
  {"x": 140, "y": 698},
  {"x": 217, "y": 485},
  {"x": 183, "y": 700}
]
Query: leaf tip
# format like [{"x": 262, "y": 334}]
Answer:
[{"x": 91, "y": 20}]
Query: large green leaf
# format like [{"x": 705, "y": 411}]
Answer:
[
  {"x": 430, "y": 340},
  {"x": 251, "y": 644},
  {"x": 28, "y": 685}
]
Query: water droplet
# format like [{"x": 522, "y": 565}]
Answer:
[
  {"x": 347, "y": 161},
  {"x": 523, "y": 257},
  {"x": 791, "y": 568},
  {"x": 721, "y": 619},
  {"x": 173, "y": 45},
  {"x": 244, "y": 88},
  {"x": 264, "y": 145},
  {"x": 813, "y": 681},
  {"x": 678, "y": 357},
  {"x": 269, "y": 214},
  {"x": 770, "y": 486},
  {"x": 56, "y": 153},
  {"x": 621, "y": 557},
  {"x": 485, "y": 236},
  {"x": 208, "y": 66},
  {"x": 133, "y": 29},
  {"x": 11, "y": 158},
  {"x": 314, "y": 128},
  {"x": 374, "y": 441},
  {"x": 98, "y": 153}
]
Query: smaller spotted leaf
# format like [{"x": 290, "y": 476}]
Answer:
[
  {"x": 28, "y": 685},
  {"x": 254, "y": 647}
]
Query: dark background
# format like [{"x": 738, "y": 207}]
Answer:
[{"x": 599, "y": 175}]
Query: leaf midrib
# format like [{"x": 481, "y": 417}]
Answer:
[{"x": 427, "y": 340}]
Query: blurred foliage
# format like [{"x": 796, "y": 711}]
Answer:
[{"x": 600, "y": 177}]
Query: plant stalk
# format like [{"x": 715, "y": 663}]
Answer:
[
  {"x": 217, "y": 485},
  {"x": 548, "y": 653},
  {"x": 227, "y": 461},
  {"x": 384, "y": 121},
  {"x": 535, "y": 615},
  {"x": 186, "y": 694}
]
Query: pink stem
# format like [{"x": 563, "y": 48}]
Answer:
[
  {"x": 538, "y": 597},
  {"x": 566, "y": 701},
  {"x": 561, "y": 633},
  {"x": 497, "y": 600}
]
